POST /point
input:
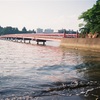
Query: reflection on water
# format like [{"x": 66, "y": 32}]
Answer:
[{"x": 31, "y": 72}]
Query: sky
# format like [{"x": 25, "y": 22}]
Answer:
[{"x": 33, "y": 14}]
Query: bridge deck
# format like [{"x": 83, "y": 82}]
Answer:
[
  {"x": 38, "y": 37},
  {"x": 47, "y": 37}
]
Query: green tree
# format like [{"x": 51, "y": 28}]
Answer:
[
  {"x": 1, "y": 28},
  {"x": 16, "y": 30},
  {"x": 24, "y": 30},
  {"x": 12, "y": 30},
  {"x": 7, "y": 30},
  {"x": 92, "y": 19}
]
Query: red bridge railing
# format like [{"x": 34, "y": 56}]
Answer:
[{"x": 43, "y": 35}]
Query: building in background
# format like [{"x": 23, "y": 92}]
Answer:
[
  {"x": 62, "y": 31},
  {"x": 39, "y": 30},
  {"x": 48, "y": 30},
  {"x": 67, "y": 31}
]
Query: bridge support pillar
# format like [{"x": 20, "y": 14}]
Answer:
[
  {"x": 29, "y": 41},
  {"x": 44, "y": 42},
  {"x": 40, "y": 41},
  {"x": 21, "y": 40},
  {"x": 37, "y": 42},
  {"x": 16, "y": 40},
  {"x": 24, "y": 40}
]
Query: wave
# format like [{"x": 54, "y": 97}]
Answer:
[{"x": 70, "y": 88}]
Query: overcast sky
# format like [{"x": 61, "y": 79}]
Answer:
[{"x": 33, "y": 14}]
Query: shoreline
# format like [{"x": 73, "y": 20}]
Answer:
[{"x": 89, "y": 44}]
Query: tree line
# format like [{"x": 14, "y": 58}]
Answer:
[
  {"x": 91, "y": 18},
  {"x": 13, "y": 30}
]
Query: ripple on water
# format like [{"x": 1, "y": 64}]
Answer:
[{"x": 31, "y": 72}]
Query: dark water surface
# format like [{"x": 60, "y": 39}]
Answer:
[{"x": 31, "y": 72}]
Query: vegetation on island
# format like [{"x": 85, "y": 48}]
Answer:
[
  {"x": 91, "y": 19},
  {"x": 12, "y": 30}
]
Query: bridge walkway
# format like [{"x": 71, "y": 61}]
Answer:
[{"x": 37, "y": 37}]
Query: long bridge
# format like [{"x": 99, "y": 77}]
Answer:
[{"x": 38, "y": 37}]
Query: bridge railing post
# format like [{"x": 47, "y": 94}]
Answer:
[
  {"x": 76, "y": 35},
  {"x": 64, "y": 35}
]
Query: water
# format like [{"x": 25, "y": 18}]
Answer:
[{"x": 36, "y": 72}]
